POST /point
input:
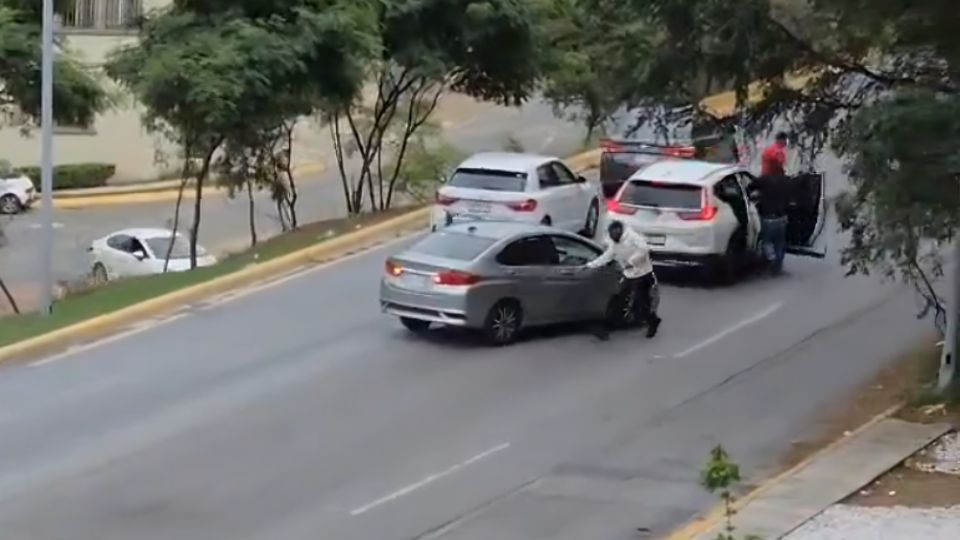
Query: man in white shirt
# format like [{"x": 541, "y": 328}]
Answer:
[{"x": 630, "y": 251}]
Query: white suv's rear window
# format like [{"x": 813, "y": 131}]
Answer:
[
  {"x": 645, "y": 193},
  {"x": 489, "y": 180}
]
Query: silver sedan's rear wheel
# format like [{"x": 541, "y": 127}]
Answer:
[{"x": 503, "y": 323}]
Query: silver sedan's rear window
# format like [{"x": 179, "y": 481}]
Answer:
[{"x": 451, "y": 245}]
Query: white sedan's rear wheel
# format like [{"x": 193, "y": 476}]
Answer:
[{"x": 100, "y": 275}]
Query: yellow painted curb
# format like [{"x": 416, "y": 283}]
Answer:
[
  {"x": 716, "y": 516},
  {"x": 108, "y": 322},
  {"x": 336, "y": 247},
  {"x": 151, "y": 193}
]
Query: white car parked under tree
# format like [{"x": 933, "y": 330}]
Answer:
[
  {"x": 17, "y": 191},
  {"x": 142, "y": 252},
  {"x": 506, "y": 186}
]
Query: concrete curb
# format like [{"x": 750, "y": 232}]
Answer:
[
  {"x": 325, "y": 251},
  {"x": 714, "y": 517}
]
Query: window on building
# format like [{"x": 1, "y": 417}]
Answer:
[{"x": 103, "y": 14}]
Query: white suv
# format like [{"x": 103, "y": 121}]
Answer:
[
  {"x": 518, "y": 187},
  {"x": 696, "y": 213}
]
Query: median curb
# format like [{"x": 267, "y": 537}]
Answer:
[{"x": 340, "y": 246}]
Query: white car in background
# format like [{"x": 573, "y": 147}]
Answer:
[
  {"x": 697, "y": 213},
  {"x": 142, "y": 252},
  {"x": 528, "y": 188},
  {"x": 17, "y": 191}
]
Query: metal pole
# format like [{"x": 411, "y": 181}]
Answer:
[{"x": 46, "y": 157}]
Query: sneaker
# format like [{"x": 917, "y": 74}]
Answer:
[{"x": 653, "y": 326}]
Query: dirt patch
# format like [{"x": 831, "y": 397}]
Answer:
[
  {"x": 895, "y": 384},
  {"x": 904, "y": 486}
]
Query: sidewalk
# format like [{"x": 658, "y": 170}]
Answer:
[{"x": 791, "y": 500}]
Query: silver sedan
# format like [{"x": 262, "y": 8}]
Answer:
[{"x": 499, "y": 278}]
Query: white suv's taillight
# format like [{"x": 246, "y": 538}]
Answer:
[
  {"x": 706, "y": 213},
  {"x": 529, "y": 205}
]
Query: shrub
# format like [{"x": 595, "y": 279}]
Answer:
[{"x": 74, "y": 175}]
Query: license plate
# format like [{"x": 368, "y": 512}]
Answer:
[
  {"x": 415, "y": 281},
  {"x": 656, "y": 239},
  {"x": 477, "y": 207}
]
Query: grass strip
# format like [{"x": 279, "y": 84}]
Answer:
[{"x": 86, "y": 304}]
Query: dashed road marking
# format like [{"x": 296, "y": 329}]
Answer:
[
  {"x": 428, "y": 480},
  {"x": 730, "y": 330}
]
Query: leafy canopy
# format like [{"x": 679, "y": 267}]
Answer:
[
  {"x": 206, "y": 68},
  {"x": 77, "y": 94}
]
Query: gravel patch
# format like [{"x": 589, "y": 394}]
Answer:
[
  {"x": 942, "y": 457},
  {"x": 844, "y": 522}
]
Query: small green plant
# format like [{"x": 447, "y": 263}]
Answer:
[{"x": 720, "y": 477}]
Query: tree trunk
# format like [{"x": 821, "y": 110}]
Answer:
[
  {"x": 185, "y": 173},
  {"x": 291, "y": 181},
  {"x": 10, "y": 299},
  {"x": 251, "y": 214}
]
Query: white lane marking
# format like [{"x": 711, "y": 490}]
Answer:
[
  {"x": 133, "y": 330},
  {"x": 156, "y": 323},
  {"x": 726, "y": 332},
  {"x": 428, "y": 480}
]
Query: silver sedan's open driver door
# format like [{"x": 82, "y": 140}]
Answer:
[{"x": 806, "y": 214}]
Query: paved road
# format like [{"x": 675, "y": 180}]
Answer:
[
  {"x": 299, "y": 412},
  {"x": 471, "y": 126}
]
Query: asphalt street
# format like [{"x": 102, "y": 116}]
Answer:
[
  {"x": 297, "y": 411},
  {"x": 472, "y": 128}
]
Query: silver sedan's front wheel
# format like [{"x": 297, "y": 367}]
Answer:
[{"x": 503, "y": 323}]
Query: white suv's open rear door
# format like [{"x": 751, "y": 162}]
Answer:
[{"x": 806, "y": 214}]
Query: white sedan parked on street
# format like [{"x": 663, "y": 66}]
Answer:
[
  {"x": 142, "y": 252},
  {"x": 17, "y": 191},
  {"x": 505, "y": 186}
]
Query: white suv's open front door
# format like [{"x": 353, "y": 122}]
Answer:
[{"x": 806, "y": 214}]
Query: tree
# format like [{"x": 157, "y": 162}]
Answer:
[
  {"x": 592, "y": 50},
  {"x": 77, "y": 94},
  {"x": 208, "y": 72},
  {"x": 484, "y": 48}
]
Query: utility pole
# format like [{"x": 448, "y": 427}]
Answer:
[
  {"x": 46, "y": 156},
  {"x": 948, "y": 357}
]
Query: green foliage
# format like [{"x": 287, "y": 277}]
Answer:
[
  {"x": 210, "y": 72},
  {"x": 906, "y": 171},
  {"x": 721, "y": 476},
  {"x": 483, "y": 48},
  {"x": 592, "y": 53},
  {"x": 76, "y": 91},
  {"x": 74, "y": 175},
  {"x": 426, "y": 167}
]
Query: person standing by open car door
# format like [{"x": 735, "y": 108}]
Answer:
[
  {"x": 630, "y": 251},
  {"x": 772, "y": 194}
]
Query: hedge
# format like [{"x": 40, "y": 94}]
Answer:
[{"x": 74, "y": 175}]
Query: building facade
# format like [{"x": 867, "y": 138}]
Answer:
[{"x": 92, "y": 29}]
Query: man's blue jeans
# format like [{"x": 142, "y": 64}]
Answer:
[{"x": 773, "y": 241}]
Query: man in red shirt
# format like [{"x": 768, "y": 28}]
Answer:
[{"x": 773, "y": 162}]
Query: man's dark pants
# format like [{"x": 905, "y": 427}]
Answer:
[
  {"x": 641, "y": 289},
  {"x": 773, "y": 240}
]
